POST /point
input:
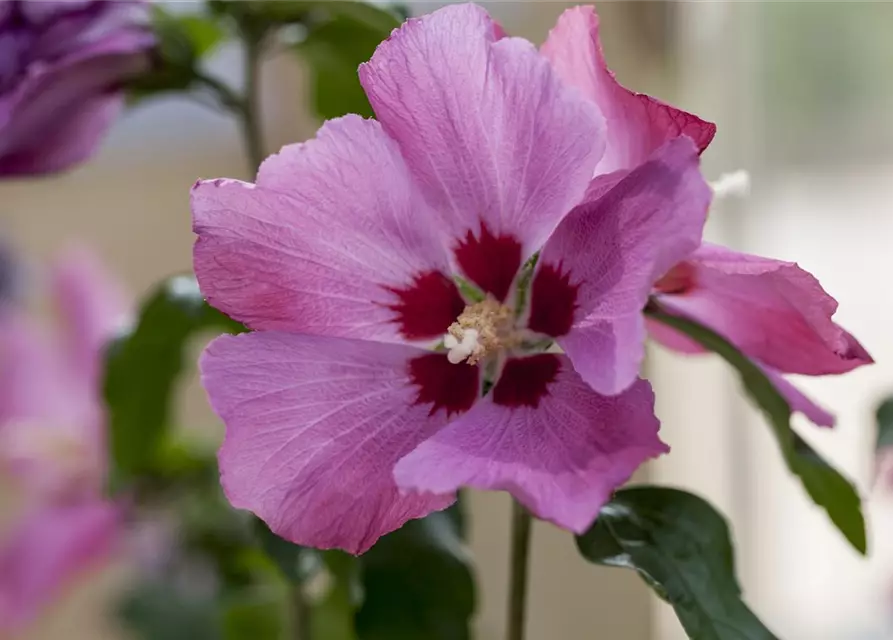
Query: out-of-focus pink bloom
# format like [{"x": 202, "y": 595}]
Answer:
[
  {"x": 52, "y": 439},
  {"x": 774, "y": 312},
  {"x": 342, "y": 423},
  {"x": 62, "y": 65}
]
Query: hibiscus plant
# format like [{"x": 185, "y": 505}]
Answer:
[{"x": 449, "y": 288}]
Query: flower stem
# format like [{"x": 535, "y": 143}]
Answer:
[
  {"x": 252, "y": 131},
  {"x": 520, "y": 561},
  {"x": 300, "y": 613}
]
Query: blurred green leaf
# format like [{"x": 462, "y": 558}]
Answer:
[
  {"x": 334, "y": 598},
  {"x": 335, "y": 47},
  {"x": 296, "y": 563},
  {"x": 824, "y": 484},
  {"x": 256, "y": 613},
  {"x": 182, "y": 41},
  {"x": 418, "y": 583},
  {"x": 142, "y": 370},
  {"x": 160, "y": 611},
  {"x": 681, "y": 546},
  {"x": 884, "y": 417}
]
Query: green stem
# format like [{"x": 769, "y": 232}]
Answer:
[
  {"x": 252, "y": 131},
  {"x": 300, "y": 613},
  {"x": 519, "y": 569}
]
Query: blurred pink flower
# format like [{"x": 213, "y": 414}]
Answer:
[
  {"x": 52, "y": 438},
  {"x": 773, "y": 311},
  {"x": 61, "y": 69},
  {"x": 342, "y": 424}
]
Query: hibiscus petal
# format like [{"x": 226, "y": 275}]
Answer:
[
  {"x": 636, "y": 124},
  {"x": 597, "y": 270},
  {"x": 332, "y": 240},
  {"x": 33, "y": 380},
  {"x": 798, "y": 401},
  {"x": 544, "y": 436},
  {"x": 59, "y": 115},
  {"x": 314, "y": 425},
  {"x": 502, "y": 148},
  {"x": 92, "y": 308},
  {"x": 773, "y": 311},
  {"x": 48, "y": 549}
]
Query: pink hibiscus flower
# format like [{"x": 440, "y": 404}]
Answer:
[
  {"x": 372, "y": 387},
  {"x": 52, "y": 440}
]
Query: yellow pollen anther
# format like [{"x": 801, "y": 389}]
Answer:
[{"x": 482, "y": 329}]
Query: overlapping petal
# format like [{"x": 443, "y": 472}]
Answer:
[
  {"x": 333, "y": 239},
  {"x": 315, "y": 425},
  {"x": 546, "y": 437},
  {"x": 500, "y": 146},
  {"x": 637, "y": 124},
  {"x": 597, "y": 270},
  {"x": 773, "y": 311}
]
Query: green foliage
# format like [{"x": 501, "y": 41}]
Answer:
[
  {"x": 182, "y": 42},
  {"x": 143, "y": 367},
  {"x": 681, "y": 547},
  {"x": 418, "y": 583},
  {"x": 824, "y": 484},
  {"x": 156, "y": 610},
  {"x": 340, "y": 36},
  {"x": 332, "y": 611},
  {"x": 884, "y": 418}
]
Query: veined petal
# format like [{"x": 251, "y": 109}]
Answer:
[
  {"x": 637, "y": 124},
  {"x": 332, "y": 240},
  {"x": 544, "y": 436},
  {"x": 47, "y": 550},
  {"x": 501, "y": 147},
  {"x": 773, "y": 311},
  {"x": 314, "y": 425},
  {"x": 597, "y": 270}
]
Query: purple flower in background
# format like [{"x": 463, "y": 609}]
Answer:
[
  {"x": 363, "y": 398},
  {"x": 62, "y": 65},
  {"x": 52, "y": 439},
  {"x": 773, "y": 311}
]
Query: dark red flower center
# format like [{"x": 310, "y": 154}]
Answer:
[
  {"x": 453, "y": 388},
  {"x": 428, "y": 306},
  {"x": 553, "y": 300},
  {"x": 525, "y": 381},
  {"x": 490, "y": 261}
]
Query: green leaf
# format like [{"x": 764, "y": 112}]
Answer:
[
  {"x": 256, "y": 613},
  {"x": 296, "y": 563},
  {"x": 680, "y": 546},
  {"x": 143, "y": 367},
  {"x": 884, "y": 416},
  {"x": 335, "y": 48},
  {"x": 332, "y": 611},
  {"x": 182, "y": 41},
  {"x": 418, "y": 583},
  {"x": 203, "y": 33},
  {"x": 824, "y": 484},
  {"x": 161, "y": 611}
]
